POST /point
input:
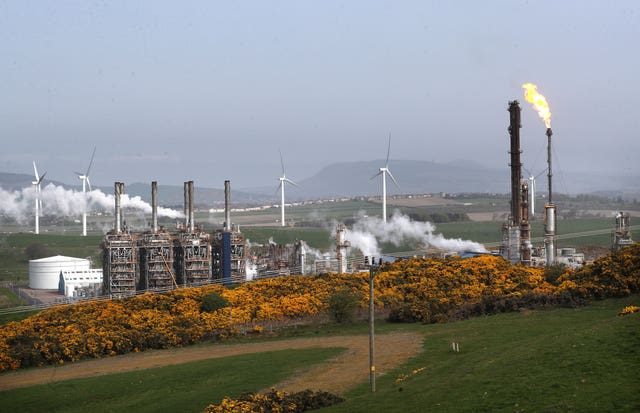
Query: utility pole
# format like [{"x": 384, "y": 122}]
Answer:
[{"x": 373, "y": 268}]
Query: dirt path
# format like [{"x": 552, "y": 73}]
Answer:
[{"x": 336, "y": 375}]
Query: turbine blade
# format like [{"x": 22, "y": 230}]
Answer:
[
  {"x": 89, "y": 182},
  {"x": 41, "y": 178},
  {"x": 35, "y": 171},
  {"x": 281, "y": 162},
  {"x": 375, "y": 176},
  {"x": 393, "y": 179},
  {"x": 78, "y": 173},
  {"x": 386, "y": 163},
  {"x": 40, "y": 202},
  {"x": 91, "y": 161},
  {"x": 545, "y": 170},
  {"x": 291, "y": 182}
]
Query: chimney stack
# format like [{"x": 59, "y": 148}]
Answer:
[
  {"x": 119, "y": 190},
  {"x": 516, "y": 165},
  {"x": 191, "y": 202},
  {"x": 186, "y": 205},
  {"x": 227, "y": 206},
  {"x": 154, "y": 206}
]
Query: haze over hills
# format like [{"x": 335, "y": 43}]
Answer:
[
  {"x": 416, "y": 177},
  {"x": 346, "y": 179}
]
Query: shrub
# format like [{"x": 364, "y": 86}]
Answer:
[
  {"x": 213, "y": 301},
  {"x": 552, "y": 273},
  {"x": 342, "y": 305},
  {"x": 36, "y": 250},
  {"x": 401, "y": 314},
  {"x": 276, "y": 401}
]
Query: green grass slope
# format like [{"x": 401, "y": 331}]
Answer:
[
  {"x": 188, "y": 387},
  {"x": 558, "y": 360},
  {"x": 555, "y": 360}
]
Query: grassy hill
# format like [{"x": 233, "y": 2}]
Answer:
[
  {"x": 558, "y": 360},
  {"x": 554, "y": 360}
]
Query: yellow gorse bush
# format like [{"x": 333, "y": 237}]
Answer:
[
  {"x": 629, "y": 310},
  {"x": 275, "y": 402},
  {"x": 426, "y": 290}
]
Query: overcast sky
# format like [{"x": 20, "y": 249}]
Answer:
[{"x": 211, "y": 90}]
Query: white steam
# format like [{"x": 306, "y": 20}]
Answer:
[
  {"x": 59, "y": 201},
  {"x": 400, "y": 229},
  {"x": 316, "y": 253}
]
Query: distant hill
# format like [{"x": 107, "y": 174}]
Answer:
[
  {"x": 173, "y": 195},
  {"x": 12, "y": 182},
  {"x": 415, "y": 177},
  {"x": 347, "y": 179},
  {"x": 355, "y": 178}
]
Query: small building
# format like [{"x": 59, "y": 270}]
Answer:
[
  {"x": 80, "y": 283},
  {"x": 44, "y": 273},
  {"x": 570, "y": 258}
]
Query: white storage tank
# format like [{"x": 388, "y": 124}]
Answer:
[{"x": 44, "y": 273}]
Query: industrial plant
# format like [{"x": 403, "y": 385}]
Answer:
[
  {"x": 160, "y": 258},
  {"x": 516, "y": 232}
]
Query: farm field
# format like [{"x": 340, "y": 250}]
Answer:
[{"x": 559, "y": 359}]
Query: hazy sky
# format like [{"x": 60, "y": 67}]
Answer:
[{"x": 210, "y": 90}]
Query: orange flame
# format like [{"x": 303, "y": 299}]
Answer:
[{"x": 538, "y": 101}]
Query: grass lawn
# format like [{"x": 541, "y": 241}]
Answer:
[
  {"x": 7, "y": 318},
  {"x": 558, "y": 360},
  {"x": 555, "y": 360},
  {"x": 9, "y": 299},
  {"x": 187, "y": 387}
]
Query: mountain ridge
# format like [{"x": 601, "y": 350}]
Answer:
[{"x": 358, "y": 178}]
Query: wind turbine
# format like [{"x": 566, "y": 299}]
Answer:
[
  {"x": 532, "y": 190},
  {"x": 36, "y": 183},
  {"x": 85, "y": 181},
  {"x": 283, "y": 180},
  {"x": 384, "y": 171}
]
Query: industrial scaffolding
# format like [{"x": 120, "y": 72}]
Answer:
[
  {"x": 279, "y": 259},
  {"x": 621, "y": 234},
  {"x": 156, "y": 261},
  {"x": 192, "y": 258},
  {"x": 119, "y": 264},
  {"x": 230, "y": 255}
]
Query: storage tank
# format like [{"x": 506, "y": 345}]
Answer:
[{"x": 44, "y": 273}]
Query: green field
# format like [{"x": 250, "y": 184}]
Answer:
[
  {"x": 558, "y": 360},
  {"x": 188, "y": 387},
  {"x": 14, "y": 264},
  {"x": 9, "y": 299},
  {"x": 554, "y": 360}
]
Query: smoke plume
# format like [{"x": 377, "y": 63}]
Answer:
[
  {"x": 399, "y": 230},
  {"x": 59, "y": 201}
]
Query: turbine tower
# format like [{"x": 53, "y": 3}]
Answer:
[
  {"x": 36, "y": 183},
  {"x": 85, "y": 181},
  {"x": 532, "y": 190},
  {"x": 283, "y": 180},
  {"x": 384, "y": 171}
]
